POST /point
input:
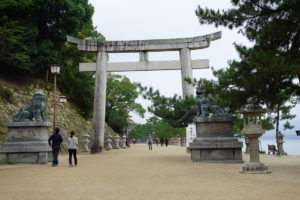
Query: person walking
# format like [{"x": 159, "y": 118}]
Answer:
[
  {"x": 161, "y": 141},
  {"x": 156, "y": 141},
  {"x": 54, "y": 141},
  {"x": 72, "y": 148},
  {"x": 150, "y": 141},
  {"x": 166, "y": 141}
]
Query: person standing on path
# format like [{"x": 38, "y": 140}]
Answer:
[
  {"x": 161, "y": 141},
  {"x": 156, "y": 141},
  {"x": 150, "y": 141},
  {"x": 166, "y": 141},
  {"x": 54, "y": 142},
  {"x": 72, "y": 148}
]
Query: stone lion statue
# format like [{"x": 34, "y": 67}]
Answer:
[
  {"x": 205, "y": 107},
  {"x": 35, "y": 110}
]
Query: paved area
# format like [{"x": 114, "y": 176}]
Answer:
[{"x": 137, "y": 173}]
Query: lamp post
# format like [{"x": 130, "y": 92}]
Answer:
[{"x": 55, "y": 69}]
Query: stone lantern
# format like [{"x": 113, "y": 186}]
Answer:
[
  {"x": 252, "y": 131},
  {"x": 124, "y": 146},
  {"x": 85, "y": 142},
  {"x": 280, "y": 142},
  {"x": 109, "y": 141},
  {"x": 117, "y": 140}
]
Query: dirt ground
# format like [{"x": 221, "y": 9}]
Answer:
[{"x": 137, "y": 173}]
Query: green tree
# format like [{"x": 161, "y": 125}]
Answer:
[
  {"x": 79, "y": 86},
  {"x": 140, "y": 131},
  {"x": 164, "y": 129},
  {"x": 121, "y": 95},
  {"x": 32, "y": 33},
  {"x": 158, "y": 127},
  {"x": 267, "y": 71},
  {"x": 170, "y": 109}
]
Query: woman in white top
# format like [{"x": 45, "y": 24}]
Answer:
[{"x": 72, "y": 148}]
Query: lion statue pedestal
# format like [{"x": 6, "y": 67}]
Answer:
[
  {"x": 214, "y": 128},
  {"x": 27, "y": 139},
  {"x": 215, "y": 141},
  {"x": 27, "y": 143}
]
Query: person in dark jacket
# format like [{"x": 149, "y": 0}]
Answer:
[
  {"x": 54, "y": 142},
  {"x": 161, "y": 141},
  {"x": 166, "y": 141}
]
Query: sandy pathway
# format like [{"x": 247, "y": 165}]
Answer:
[{"x": 137, "y": 173}]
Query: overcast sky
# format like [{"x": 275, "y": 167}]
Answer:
[{"x": 163, "y": 19}]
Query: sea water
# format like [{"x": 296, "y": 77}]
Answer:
[{"x": 290, "y": 146}]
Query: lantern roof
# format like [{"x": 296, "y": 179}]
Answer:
[{"x": 251, "y": 108}]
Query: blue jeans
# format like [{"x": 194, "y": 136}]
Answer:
[
  {"x": 150, "y": 145},
  {"x": 55, "y": 151}
]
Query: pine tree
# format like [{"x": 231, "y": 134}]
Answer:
[{"x": 267, "y": 70}]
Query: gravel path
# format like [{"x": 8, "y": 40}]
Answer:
[{"x": 137, "y": 173}]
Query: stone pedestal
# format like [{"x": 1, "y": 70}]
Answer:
[
  {"x": 215, "y": 141},
  {"x": 27, "y": 142},
  {"x": 247, "y": 145},
  {"x": 254, "y": 166}
]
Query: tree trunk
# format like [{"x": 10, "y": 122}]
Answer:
[
  {"x": 47, "y": 75},
  {"x": 277, "y": 129}
]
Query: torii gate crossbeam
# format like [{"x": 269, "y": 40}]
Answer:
[{"x": 183, "y": 45}]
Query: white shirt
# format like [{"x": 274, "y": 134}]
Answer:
[{"x": 73, "y": 142}]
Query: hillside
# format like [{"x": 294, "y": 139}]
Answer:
[{"x": 17, "y": 93}]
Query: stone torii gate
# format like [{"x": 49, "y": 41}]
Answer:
[{"x": 185, "y": 64}]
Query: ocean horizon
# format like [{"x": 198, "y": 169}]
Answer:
[{"x": 290, "y": 146}]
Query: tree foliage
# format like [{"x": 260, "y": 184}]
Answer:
[
  {"x": 274, "y": 28},
  {"x": 79, "y": 86},
  {"x": 157, "y": 127},
  {"x": 171, "y": 109},
  {"x": 268, "y": 70},
  {"x": 33, "y": 36},
  {"x": 121, "y": 97},
  {"x": 33, "y": 33}
]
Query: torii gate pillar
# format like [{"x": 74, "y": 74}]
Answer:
[
  {"x": 186, "y": 72},
  {"x": 99, "y": 102}
]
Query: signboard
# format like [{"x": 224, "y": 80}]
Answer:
[{"x": 190, "y": 133}]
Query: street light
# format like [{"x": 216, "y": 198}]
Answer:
[{"x": 55, "y": 69}]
